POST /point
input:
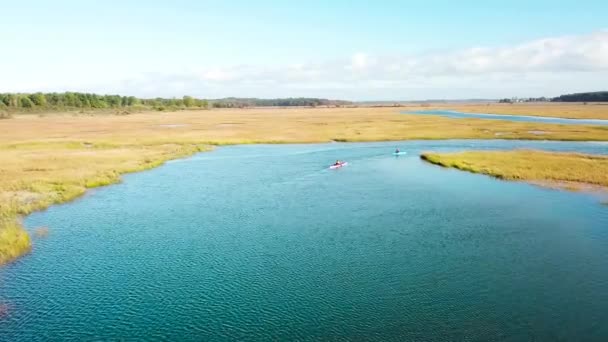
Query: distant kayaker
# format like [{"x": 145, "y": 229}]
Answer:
[
  {"x": 338, "y": 162},
  {"x": 397, "y": 151}
]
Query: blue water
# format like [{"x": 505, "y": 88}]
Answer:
[
  {"x": 524, "y": 118},
  {"x": 265, "y": 243}
]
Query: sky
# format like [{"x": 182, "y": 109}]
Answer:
[{"x": 352, "y": 50}]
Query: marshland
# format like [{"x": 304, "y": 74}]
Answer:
[
  {"x": 54, "y": 158},
  {"x": 169, "y": 171}
]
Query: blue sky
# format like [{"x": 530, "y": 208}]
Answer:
[{"x": 359, "y": 50}]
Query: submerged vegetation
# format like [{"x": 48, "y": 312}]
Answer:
[
  {"x": 56, "y": 158},
  {"x": 571, "y": 171}
]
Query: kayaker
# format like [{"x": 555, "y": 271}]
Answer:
[
  {"x": 338, "y": 162},
  {"x": 397, "y": 151}
]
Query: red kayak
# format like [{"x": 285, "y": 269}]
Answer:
[{"x": 337, "y": 166}]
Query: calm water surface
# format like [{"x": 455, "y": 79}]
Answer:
[
  {"x": 521, "y": 118},
  {"x": 265, "y": 243}
]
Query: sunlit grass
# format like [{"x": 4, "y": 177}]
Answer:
[
  {"x": 14, "y": 241},
  {"x": 272, "y": 125},
  {"x": 571, "y": 171}
]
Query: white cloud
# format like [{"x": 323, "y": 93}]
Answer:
[
  {"x": 361, "y": 61},
  {"x": 219, "y": 75},
  {"x": 548, "y": 66}
]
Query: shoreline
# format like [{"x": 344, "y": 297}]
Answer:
[{"x": 18, "y": 239}]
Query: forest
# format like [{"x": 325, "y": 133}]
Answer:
[
  {"x": 39, "y": 102},
  {"x": 24, "y": 102},
  {"x": 597, "y": 96}
]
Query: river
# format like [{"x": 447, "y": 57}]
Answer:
[
  {"x": 517, "y": 118},
  {"x": 263, "y": 242}
]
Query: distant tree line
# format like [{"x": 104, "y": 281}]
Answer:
[
  {"x": 70, "y": 100},
  {"x": 598, "y": 96},
  {"x": 526, "y": 99},
  {"x": 24, "y": 102},
  {"x": 234, "y": 102}
]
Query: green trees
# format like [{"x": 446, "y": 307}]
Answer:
[
  {"x": 188, "y": 101},
  {"x": 10, "y": 100},
  {"x": 132, "y": 101},
  {"x": 71, "y": 100},
  {"x": 38, "y": 99},
  {"x": 598, "y": 96},
  {"x": 13, "y": 102},
  {"x": 25, "y": 102},
  {"x": 3, "y": 107},
  {"x": 232, "y": 102}
]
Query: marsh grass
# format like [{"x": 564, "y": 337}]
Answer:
[
  {"x": 14, "y": 240},
  {"x": 56, "y": 158},
  {"x": 571, "y": 171}
]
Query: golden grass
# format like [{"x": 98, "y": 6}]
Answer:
[
  {"x": 270, "y": 125},
  {"x": 572, "y": 171},
  {"x": 54, "y": 158},
  {"x": 559, "y": 110},
  {"x": 14, "y": 241}
]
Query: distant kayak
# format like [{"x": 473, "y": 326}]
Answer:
[
  {"x": 399, "y": 153},
  {"x": 337, "y": 166}
]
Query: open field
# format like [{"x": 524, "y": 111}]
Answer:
[
  {"x": 570, "y": 171},
  {"x": 55, "y": 158},
  {"x": 554, "y": 109}
]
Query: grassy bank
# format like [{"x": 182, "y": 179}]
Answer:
[
  {"x": 55, "y": 158},
  {"x": 570, "y": 171},
  {"x": 14, "y": 240}
]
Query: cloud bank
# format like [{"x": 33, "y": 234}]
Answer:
[{"x": 548, "y": 66}]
